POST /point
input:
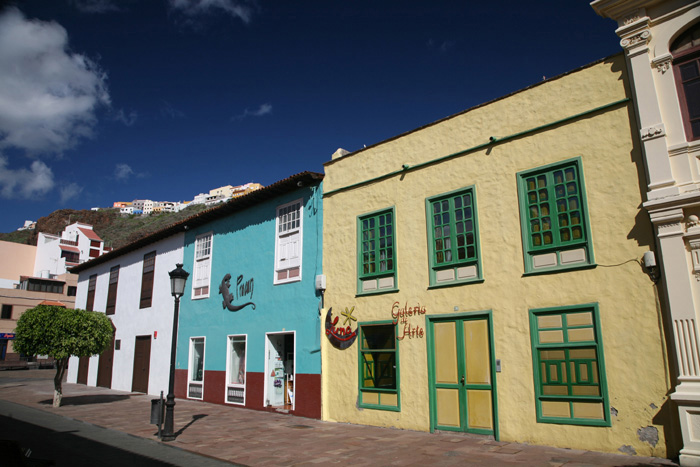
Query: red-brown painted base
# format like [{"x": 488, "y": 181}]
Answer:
[{"x": 307, "y": 391}]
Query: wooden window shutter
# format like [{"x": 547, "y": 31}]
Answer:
[
  {"x": 149, "y": 263},
  {"x": 112, "y": 291},
  {"x": 91, "y": 293}
]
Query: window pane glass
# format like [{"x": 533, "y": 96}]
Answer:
[
  {"x": 688, "y": 71},
  {"x": 237, "y": 360},
  {"x": 692, "y": 97},
  {"x": 378, "y": 337},
  {"x": 378, "y": 357},
  {"x": 197, "y": 361}
]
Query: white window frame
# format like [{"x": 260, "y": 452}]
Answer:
[
  {"x": 190, "y": 362},
  {"x": 281, "y": 268},
  {"x": 229, "y": 385},
  {"x": 197, "y": 281}
]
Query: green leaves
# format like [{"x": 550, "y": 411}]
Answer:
[{"x": 61, "y": 332}]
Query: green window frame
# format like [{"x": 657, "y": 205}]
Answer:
[
  {"x": 569, "y": 366},
  {"x": 453, "y": 237},
  {"x": 376, "y": 252},
  {"x": 378, "y": 353},
  {"x": 554, "y": 214}
]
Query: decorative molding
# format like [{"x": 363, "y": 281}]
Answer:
[
  {"x": 662, "y": 63},
  {"x": 695, "y": 254},
  {"x": 671, "y": 228},
  {"x": 666, "y": 218},
  {"x": 692, "y": 236},
  {"x": 653, "y": 132},
  {"x": 631, "y": 19},
  {"x": 635, "y": 39},
  {"x": 687, "y": 346}
]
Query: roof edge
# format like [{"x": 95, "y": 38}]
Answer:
[{"x": 484, "y": 104}]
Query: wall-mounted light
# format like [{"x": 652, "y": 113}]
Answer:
[{"x": 649, "y": 260}]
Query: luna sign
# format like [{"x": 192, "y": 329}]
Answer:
[
  {"x": 243, "y": 289},
  {"x": 341, "y": 337}
]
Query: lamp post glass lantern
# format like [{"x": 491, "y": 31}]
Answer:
[{"x": 178, "y": 279}]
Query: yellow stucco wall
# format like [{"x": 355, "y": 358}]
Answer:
[{"x": 632, "y": 336}]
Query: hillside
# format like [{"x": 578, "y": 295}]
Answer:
[{"x": 116, "y": 230}]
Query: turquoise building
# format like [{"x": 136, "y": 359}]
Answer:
[{"x": 249, "y": 327}]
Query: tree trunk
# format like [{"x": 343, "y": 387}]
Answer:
[{"x": 61, "y": 365}]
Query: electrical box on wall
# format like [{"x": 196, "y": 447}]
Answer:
[{"x": 321, "y": 282}]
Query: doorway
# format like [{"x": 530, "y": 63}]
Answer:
[
  {"x": 105, "y": 364},
  {"x": 142, "y": 363},
  {"x": 280, "y": 370},
  {"x": 462, "y": 375}
]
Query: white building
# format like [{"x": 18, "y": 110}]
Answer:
[
  {"x": 661, "y": 39},
  {"x": 132, "y": 286},
  {"x": 200, "y": 198},
  {"x": 28, "y": 225},
  {"x": 55, "y": 253},
  {"x": 144, "y": 205},
  {"x": 126, "y": 210},
  {"x": 216, "y": 199}
]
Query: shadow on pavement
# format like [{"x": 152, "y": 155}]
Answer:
[
  {"x": 194, "y": 419},
  {"x": 33, "y": 445},
  {"x": 88, "y": 399}
]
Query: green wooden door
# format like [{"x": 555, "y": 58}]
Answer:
[{"x": 462, "y": 376}]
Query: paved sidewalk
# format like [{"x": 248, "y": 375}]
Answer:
[{"x": 260, "y": 438}]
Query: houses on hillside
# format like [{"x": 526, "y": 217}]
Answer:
[
  {"x": 524, "y": 270},
  {"x": 215, "y": 196}
]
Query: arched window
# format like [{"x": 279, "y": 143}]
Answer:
[{"x": 686, "y": 67}]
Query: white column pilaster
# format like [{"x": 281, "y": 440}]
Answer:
[{"x": 635, "y": 38}]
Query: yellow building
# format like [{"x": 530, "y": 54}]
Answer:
[{"x": 484, "y": 275}]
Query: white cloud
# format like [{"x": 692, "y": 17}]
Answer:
[
  {"x": 70, "y": 191},
  {"x": 95, "y": 6},
  {"x": 443, "y": 46},
  {"x": 123, "y": 171},
  {"x": 237, "y": 8},
  {"x": 35, "y": 181},
  {"x": 264, "y": 109},
  {"x": 167, "y": 110},
  {"x": 49, "y": 95},
  {"x": 128, "y": 120}
]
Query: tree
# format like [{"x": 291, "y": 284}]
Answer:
[{"x": 59, "y": 333}]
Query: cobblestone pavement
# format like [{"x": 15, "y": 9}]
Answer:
[{"x": 261, "y": 438}]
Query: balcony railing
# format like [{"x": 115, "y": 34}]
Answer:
[{"x": 69, "y": 242}]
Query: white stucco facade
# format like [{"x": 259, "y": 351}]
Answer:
[
  {"x": 129, "y": 319},
  {"x": 648, "y": 30},
  {"x": 77, "y": 238}
]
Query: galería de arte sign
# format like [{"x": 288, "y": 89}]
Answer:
[{"x": 402, "y": 314}]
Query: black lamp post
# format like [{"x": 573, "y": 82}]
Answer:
[{"x": 178, "y": 279}]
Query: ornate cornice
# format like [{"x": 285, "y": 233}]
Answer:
[{"x": 636, "y": 39}]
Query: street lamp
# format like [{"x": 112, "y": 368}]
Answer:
[{"x": 178, "y": 279}]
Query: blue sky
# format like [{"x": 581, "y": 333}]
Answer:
[{"x": 114, "y": 100}]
